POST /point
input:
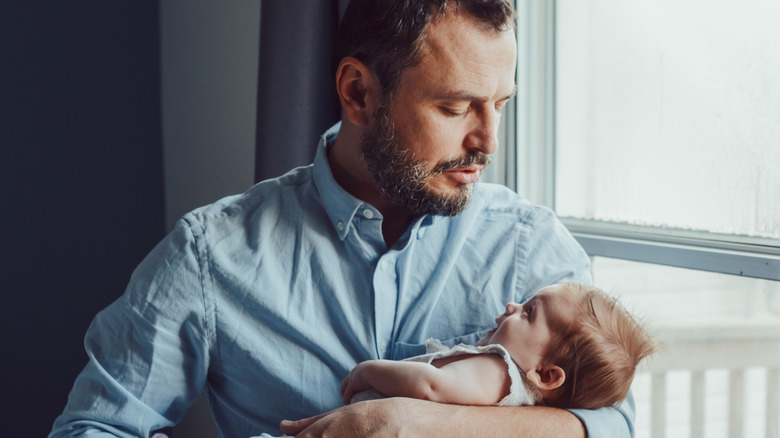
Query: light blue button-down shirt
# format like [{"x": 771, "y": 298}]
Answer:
[{"x": 269, "y": 298}]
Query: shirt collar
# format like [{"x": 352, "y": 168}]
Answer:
[{"x": 340, "y": 205}]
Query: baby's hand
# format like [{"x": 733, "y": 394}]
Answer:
[{"x": 355, "y": 382}]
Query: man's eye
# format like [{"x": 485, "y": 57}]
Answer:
[{"x": 455, "y": 111}]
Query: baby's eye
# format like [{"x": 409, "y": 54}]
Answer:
[{"x": 528, "y": 310}]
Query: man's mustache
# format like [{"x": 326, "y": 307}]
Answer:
[{"x": 479, "y": 158}]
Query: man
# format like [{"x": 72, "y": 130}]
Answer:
[{"x": 269, "y": 298}]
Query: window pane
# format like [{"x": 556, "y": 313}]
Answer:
[
  {"x": 719, "y": 334},
  {"x": 667, "y": 114},
  {"x": 668, "y": 296}
]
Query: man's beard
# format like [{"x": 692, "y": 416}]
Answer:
[{"x": 403, "y": 179}]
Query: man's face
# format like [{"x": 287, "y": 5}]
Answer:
[
  {"x": 404, "y": 179},
  {"x": 428, "y": 146}
]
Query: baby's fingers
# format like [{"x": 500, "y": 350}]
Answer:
[
  {"x": 344, "y": 385},
  {"x": 347, "y": 394},
  {"x": 347, "y": 390}
]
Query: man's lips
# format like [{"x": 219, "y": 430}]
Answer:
[{"x": 466, "y": 175}]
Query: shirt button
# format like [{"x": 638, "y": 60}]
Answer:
[
  {"x": 383, "y": 265},
  {"x": 368, "y": 214},
  {"x": 340, "y": 226}
]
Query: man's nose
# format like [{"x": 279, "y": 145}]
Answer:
[
  {"x": 484, "y": 131},
  {"x": 512, "y": 308}
]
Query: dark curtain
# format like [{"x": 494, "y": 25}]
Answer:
[
  {"x": 296, "y": 101},
  {"x": 81, "y": 183}
]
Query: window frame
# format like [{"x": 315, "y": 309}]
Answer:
[{"x": 529, "y": 169}]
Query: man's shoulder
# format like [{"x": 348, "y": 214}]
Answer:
[
  {"x": 264, "y": 197},
  {"x": 498, "y": 200}
]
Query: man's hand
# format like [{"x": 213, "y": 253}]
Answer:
[
  {"x": 374, "y": 418},
  {"x": 394, "y": 417}
]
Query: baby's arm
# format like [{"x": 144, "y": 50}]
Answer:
[{"x": 466, "y": 380}]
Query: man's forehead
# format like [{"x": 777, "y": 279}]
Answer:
[
  {"x": 460, "y": 59},
  {"x": 456, "y": 31}
]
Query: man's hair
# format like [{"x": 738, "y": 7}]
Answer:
[
  {"x": 599, "y": 350},
  {"x": 387, "y": 35}
]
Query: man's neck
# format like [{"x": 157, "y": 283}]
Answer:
[
  {"x": 351, "y": 174},
  {"x": 394, "y": 225}
]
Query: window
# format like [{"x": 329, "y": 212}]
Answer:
[
  {"x": 668, "y": 116},
  {"x": 651, "y": 128}
]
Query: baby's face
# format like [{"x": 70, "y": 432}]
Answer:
[{"x": 524, "y": 329}]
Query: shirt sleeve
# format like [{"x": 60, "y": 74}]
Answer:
[
  {"x": 148, "y": 351},
  {"x": 554, "y": 255},
  {"x": 617, "y": 422}
]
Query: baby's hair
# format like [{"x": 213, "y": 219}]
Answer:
[{"x": 599, "y": 350}]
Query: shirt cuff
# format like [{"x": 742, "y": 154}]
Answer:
[{"x": 612, "y": 422}]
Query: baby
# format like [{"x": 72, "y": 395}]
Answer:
[{"x": 569, "y": 346}]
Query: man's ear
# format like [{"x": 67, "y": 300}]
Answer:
[
  {"x": 547, "y": 377},
  {"x": 358, "y": 90}
]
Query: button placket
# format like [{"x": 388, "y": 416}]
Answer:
[{"x": 385, "y": 297}]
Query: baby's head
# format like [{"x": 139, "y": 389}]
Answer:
[{"x": 576, "y": 344}]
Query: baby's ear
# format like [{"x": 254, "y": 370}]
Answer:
[{"x": 547, "y": 377}]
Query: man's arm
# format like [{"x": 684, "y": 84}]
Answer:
[
  {"x": 411, "y": 417},
  {"x": 471, "y": 379},
  {"x": 148, "y": 351}
]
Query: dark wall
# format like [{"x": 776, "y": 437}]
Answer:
[{"x": 81, "y": 189}]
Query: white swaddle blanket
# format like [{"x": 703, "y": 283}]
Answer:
[{"x": 521, "y": 391}]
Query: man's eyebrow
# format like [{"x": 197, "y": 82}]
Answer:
[{"x": 468, "y": 96}]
